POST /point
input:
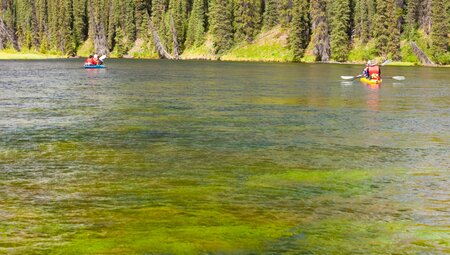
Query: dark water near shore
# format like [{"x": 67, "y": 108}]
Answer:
[{"x": 162, "y": 157}]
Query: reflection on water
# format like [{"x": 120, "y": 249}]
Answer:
[
  {"x": 373, "y": 99},
  {"x": 161, "y": 157}
]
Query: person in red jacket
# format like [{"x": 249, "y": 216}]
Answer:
[
  {"x": 372, "y": 71},
  {"x": 91, "y": 61}
]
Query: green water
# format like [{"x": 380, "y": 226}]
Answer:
[{"x": 161, "y": 157}]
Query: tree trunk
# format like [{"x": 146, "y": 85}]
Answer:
[
  {"x": 162, "y": 53},
  {"x": 8, "y": 34},
  {"x": 175, "y": 40},
  {"x": 98, "y": 28},
  {"x": 425, "y": 16},
  {"x": 423, "y": 58}
]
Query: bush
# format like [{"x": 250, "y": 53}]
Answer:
[
  {"x": 408, "y": 54},
  {"x": 362, "y": 52},
  {"x": 443, "y": 58}
]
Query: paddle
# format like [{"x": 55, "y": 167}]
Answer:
[
  {"x": 398, "y": 78},
  {"x": 351, "y": 77},
  {"x": 386, "y": 62}
]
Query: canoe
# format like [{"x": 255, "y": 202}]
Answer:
[
  {"x": 370, "y": 82},
  {"x": 95, "y": 67}
]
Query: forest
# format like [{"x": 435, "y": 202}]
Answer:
[{"x": 324, "y": 30}]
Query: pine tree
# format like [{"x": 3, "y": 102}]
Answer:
[
  {"x": 67, "y": 41},
  {"x": 53, "y": 25},
  {"x": 221, "y": 25},
  {"x": 285, "y": 12},
  {"x": 439, "y": 29},
  {"x": 425, "y": 13},
  {"x": 113, "y": 22},
  {"x": 178, "y": 12},
  {"x": 120, "y": 45},
  {"x": 23, "y": 24},
  {"x": 299, "y": 32},
  {"x": 98, "y": 21},
  {"x": 197, "y": 24},
  {"x": 320, "y": 30},
  {"x": 271, "y": 15},
  {"x": 41, "y": 10},
  {"x": 412, "y": 13},
  {"x": 381, "y": 32},
  {"x": 159, "y": 9},
  {"x": 79, "y": 21},
  {"x": 247, "y": 21},
  {"x": 340, "y": 26},
  {"x": 393, "y": 45},
  {"x": 128, "y": 25},
  {"x": 448, "y": 14},
  {"x": 363, "y": 10},
  {"x": 142, "y": 6}
]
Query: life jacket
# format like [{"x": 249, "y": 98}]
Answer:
[
  {"x": 89, "y": 61},
  {"x": 374, "y": 73}
]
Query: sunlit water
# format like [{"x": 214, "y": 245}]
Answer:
[{"x": 161, "y": 157}]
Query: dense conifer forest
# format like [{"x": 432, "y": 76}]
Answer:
[{"x": 325, "y": 30}]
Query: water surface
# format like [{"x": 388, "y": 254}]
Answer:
[{"x": 163, "y": 157}]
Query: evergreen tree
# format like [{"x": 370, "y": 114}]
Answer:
[
  {"x": 247, "y": 21},
  {"x": 320, "y": 30},
  {"x": 412, "y": 13},
  {"x": 285, "y": 12},
  {"x": 440, "y": 29},
  {"x": 340, "y": 29},
  {"x": 363, "y": 10},
  {"x": 79, "y": 21},
  {"x": 178, "y": 12},
  {"x": 130, "y": 25},
  {"x": 425, "y": 15},
  {"x": 299, "y": 32},
  {"x": 386, "y": 29},
  {"x": 394, "y": 25},
  {"x": 98, "y": 21},
  {"x": 120, "y": 47},
  {"x": 448, "y": 14},
  {"x": 271, "y": 15},
  {"x": 67, "y": 41},
  {"x": 159, "y": 9},
  {"x": 113, "y": 22},
  {"x": 53, "y": 25},
  {"x": 197, "y": 24},
  {"x": 24, "y": 22},
  {"x": 221, "y": 25},
  {"x": 142, "y": 6}
]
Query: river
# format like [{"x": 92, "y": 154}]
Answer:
[{"x": 193, "y": 157}]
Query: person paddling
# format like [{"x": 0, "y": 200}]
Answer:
[
  {"x": 97, "y": 61},
  {"x": 91, "y": 61},
  {"x": 372, "y": 71}
]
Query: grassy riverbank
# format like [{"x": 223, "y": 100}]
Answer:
[
  {"x": 244, "y": 53},
  {"x": 12, "y": 54}
]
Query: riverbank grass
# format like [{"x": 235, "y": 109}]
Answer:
[
  {"x": 202, "y": 52},
  {"x": 270, "y": 46},
  {"x": 267, "y": 52},
  {"x": 16, "y": 55}
]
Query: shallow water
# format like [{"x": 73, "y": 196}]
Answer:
[{"x": 162, "y": 157}]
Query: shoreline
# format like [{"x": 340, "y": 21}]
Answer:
[{"x": 39, "y": 56}]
